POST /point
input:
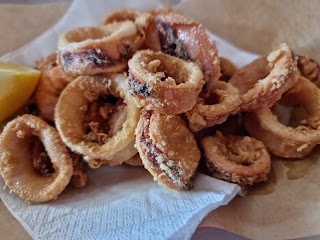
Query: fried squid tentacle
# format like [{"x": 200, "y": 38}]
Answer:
[
  {"x": 242, "y": 160},
  {"x": 168, "y": 149},
  {"x": 289, "y": 141},
  {"x": 221, "y": 102},
  {"x": 164, "y": 83},
  {"x": 34, "y": 162},
  {"x": 96, "y": 117},
  {"x": 263, "y": 81}
]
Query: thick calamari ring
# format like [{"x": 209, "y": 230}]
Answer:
[
  {"x": 171, "y": 164},
  {"x": 70, "y": 116},
  {"x": 53, "y": 80},
  {"x": 104, "y": 49},
  {"x": 16, "y": 163},
  {"x": 164, "y": 83},
  {"x": 262, "y": 87},
  {"x": 188, "y": 40},
  {"x": 144, "y": 21},
  {"x": 242, "y": 160},
  {"x": 223, "y": 101},
  {"x": 309, "y": 68},
  {"x": 286, "y": 141}
]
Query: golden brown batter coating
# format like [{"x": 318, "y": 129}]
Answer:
[
  {"x": 34, "y": 162},
  {"x": 242, "y": 160},
  {"x": 164, "y": 83},
  {"x": 283, "y": 140},
  {"x": 168, "y": 149},
  {"x": 214, "y": 109},
  {"x": 263, "y": 81}
]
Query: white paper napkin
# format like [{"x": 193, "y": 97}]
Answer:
[{"x": 119, "y": 202}]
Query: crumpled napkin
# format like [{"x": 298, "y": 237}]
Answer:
[{"x": 119, "y": 202}]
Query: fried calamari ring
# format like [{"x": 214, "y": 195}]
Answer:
[
  {"x": 171, "y": 164},
  {"x": 164, "y": 83},
  {"x": 34, "y": 161},
  {"x": 309, "y": 69},
  {"x": 227, "y": 69},
  {"x": 223, "y": 101},
  {"x": 53, "y": 80},
  {"x": 188, "y": 40},
  {"x": 286, "y": 141},
  {"x": 145, "y": 23},
  {"x": 87, "y": 127},
  {"x": 104, "y": 49},
  {"x": 266, "y": 79},
  {"x": 242, "y": 160},
  {"x": 121, "y": 15}
]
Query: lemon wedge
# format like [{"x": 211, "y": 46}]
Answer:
[{"x": 17, "y": 84}]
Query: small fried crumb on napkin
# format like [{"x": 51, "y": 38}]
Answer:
[{"x": 119, "y": 202}]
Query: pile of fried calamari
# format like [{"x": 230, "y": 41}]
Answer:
[{"x": 149, "y": 89}]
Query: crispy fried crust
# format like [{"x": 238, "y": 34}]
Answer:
[
  {"x": 70, "y": 113},
  {"x": 16, "y": 165},
  {"x": 161, "y": 82},
  {"x": 167, "y": 149},
  {"x": 263, "y": 81},
  {"x": 286, "y": 141},
  {"x": 226, "y": 101},
  {"x": 187, "y": 39},
  {"x": 242, "y": 160}
]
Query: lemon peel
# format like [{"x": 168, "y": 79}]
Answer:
[{"x": 17, "y": 84}]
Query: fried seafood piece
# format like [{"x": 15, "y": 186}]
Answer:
[
  {"x": 262, "y": 82},
  {"x": 168, "y": 149},
  {"x": 103, "y": 49},
  {"x": 164, "y": 83},
  {"x": 121, "y": 15},
  {"x": 146, "y": 23},
  {"x": 52, "y": 81},
  {"x": 237, "y": 159},
  {"x": 214, "y": 109},
  {"x": 227, "y": 69},
  {"x": 134, "y": 161},
  {"x": 97, "y": 118},
  {"x": 309, "y": 69},
  {"x": 284, "y": 140},
  {"x": 187, "y": 39},
  {"x": 79, "y": 177},
  {"x": 34, "y": 162}
]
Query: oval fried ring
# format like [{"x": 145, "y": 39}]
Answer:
[
  {"x": 222, "y": 101},
  {"x": 164, "y": 83},
  {"x": 157, "y": 139},
  {"x": 104, "y": 49},
  {"x": 262, "y": 87},
  {"x": 286, "y": 141},
  {"x": 187, "y": 39},
  {"x": 112, "y": 147},
  {"x": 17, "y": 155},
  {"x": 242, "y": 160}
]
